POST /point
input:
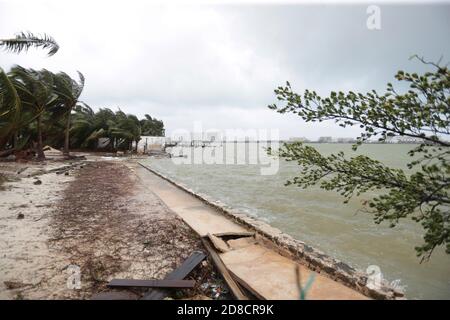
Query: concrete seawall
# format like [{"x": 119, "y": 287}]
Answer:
[{"x": 297, "y": 250}]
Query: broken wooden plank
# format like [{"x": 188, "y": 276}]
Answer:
[
  {"x": 218, "y": 243},
  {"x": 178, "y": 274},
  {"x": 235, "y": 290},
  {"x": 121, "y": 283}
]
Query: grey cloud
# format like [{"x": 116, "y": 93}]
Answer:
[{"x": 220, "y": 64}]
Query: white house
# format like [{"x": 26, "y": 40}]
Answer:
[{"x": 148, "y": 143}]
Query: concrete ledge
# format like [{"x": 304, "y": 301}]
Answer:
[{"x": 295, "y": 249}]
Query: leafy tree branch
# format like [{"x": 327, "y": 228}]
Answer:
[{"x": 421, "y": 112}]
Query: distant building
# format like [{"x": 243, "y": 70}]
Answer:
[
  {"x": 345, "y": 140},
  {"x": 325, "y": 140},
  {"x": 151, "y": 143},
  {"x": 404, "y": 139},
  {"x": 298, "y": 139}
]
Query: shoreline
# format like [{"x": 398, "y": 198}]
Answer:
[
  {"x": 96, "y": 200},
  {"x": 295, "y": 249}
]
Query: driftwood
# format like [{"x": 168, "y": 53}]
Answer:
[
  {"x": 178, "y": 274},
  {"x": 234, "y": 287},
  {"x": 175, "y": 277}
]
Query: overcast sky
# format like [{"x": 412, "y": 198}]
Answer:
[{"x": 220, "y": 63}]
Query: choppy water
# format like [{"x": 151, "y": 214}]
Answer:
[{"x": 320, "y": 218}]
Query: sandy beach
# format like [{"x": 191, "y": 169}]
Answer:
[{"x": 95, "y": 215}]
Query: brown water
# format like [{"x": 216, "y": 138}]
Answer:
[{"x": 320, "y": 218}]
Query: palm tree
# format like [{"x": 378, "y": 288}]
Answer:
[
  {"x": 23, "y": 41},
  {"x": 120, "y": 128},
  {"x": 85, "y": 129},
  {"x": 151, "y": 126},
  {"x": 35, "y": 89},
  {"x": 68, "y": 91},
  {"x": 11, "y": 116},
  {"x": 10, "y": 110}
]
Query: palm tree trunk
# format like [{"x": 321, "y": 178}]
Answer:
[
  {"x": 66, "y": 138},
  {"x": 3, "y": 143},
  {"x": 40, "y": 150}
]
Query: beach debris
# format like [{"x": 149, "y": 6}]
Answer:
[
  {"x": 20, "y": 216},
  {"x": 52, "y": 153},
  {"x": 204, "y": 286},
  {"x": 11, "y": 285},
  {"x": 37, "y": 182},
  {"x": 234, "y": 287},
  {"x": 178, "y": 274},
  {"x": 121, "y": 283},
  {"x": 22, "y": 170},
  {"x": 160, "y": 288},
  {"x": 217, "y": 291}
]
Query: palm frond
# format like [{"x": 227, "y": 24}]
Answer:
[
  {"x": 10, "y": 105},
  {"x": 96, "y": 134},
  {"x": 8, "y": 95},
  {"x": 80, "y": 85},
  {"x": 35, "y": 87},
  {"x": 23, "y": 41}
]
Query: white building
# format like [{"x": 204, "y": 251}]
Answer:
[
  {"x": 325, "y": 140},
  {"x": 151, "y": 143},
  {"x": 404, "y": 139},
  {"x": 298, "y": 139}
]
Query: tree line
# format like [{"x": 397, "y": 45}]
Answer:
[{"x": 39, "y": 108}]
